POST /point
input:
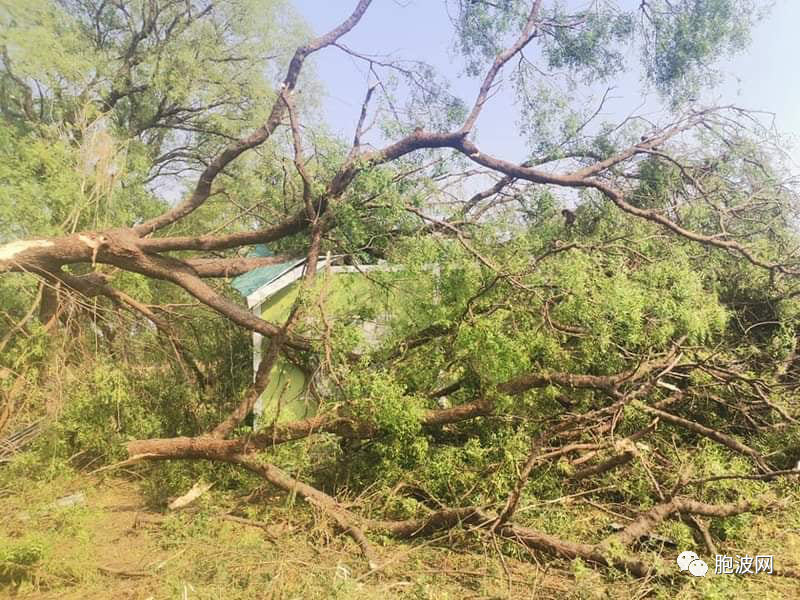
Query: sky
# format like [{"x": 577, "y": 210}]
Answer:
[{"x": 763, "y": 77}]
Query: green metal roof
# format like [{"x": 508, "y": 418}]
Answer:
[{"x": 249, "y": 282}]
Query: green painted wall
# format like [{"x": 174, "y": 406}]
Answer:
[{"x": 286, "y": 397}]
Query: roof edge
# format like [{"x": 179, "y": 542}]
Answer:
[{"x": 293, "y": 273}]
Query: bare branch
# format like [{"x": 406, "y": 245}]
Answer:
[
  {"x": 203, "y": 188},
  {"x": 528, "y": 33}
]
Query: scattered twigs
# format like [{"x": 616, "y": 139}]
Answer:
[
  {"x": 243, "y": 521},
  {"x": 513, "y": 498},
  {"x": 626, "y": 453},
  {"x": 122, "y": 572},
  {"x": 649, "y": 520},
  {"x": 326, "y": 503},
  {"x": 702, "y": 530},
  {"x": 14, "y": 443},
  {"x": 251, "y": 523},
  {"x": 753, "y": 477},
  {"x": 477, "y": 517},
  {"x": 711, "y": 434},
  {"x": 446, "y": 518}
]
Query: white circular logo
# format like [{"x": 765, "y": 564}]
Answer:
[
  {"x": 684, "y": 558},
  {"x": 698, "y": 568}
]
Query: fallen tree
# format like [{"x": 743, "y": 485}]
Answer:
[{"x": 551, "y": 328}]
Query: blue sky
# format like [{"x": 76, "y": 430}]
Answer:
[{"x": 764, "y": 77}]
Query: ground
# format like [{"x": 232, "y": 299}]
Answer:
[{"x": 114, "y": 544}]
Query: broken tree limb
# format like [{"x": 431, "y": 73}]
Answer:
[
  {"x": 198, "y": 489},
  {"x": 326, "y": 503},
  {"x": 650, "y": 519},
  {"x": 711, "y": 434},
  {"x": 279, "y": 433},
  {"x": 617, "y": 460},
  {"x": 702, "y": 529},
  {"x": 533, "y": 458},
  {"x": 447, "y": 518},
  {"x": 276, "y": 345},
  {"x": 606, "y": 382}
]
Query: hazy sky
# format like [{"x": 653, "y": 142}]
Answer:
[{"x": 764, "y": 77}]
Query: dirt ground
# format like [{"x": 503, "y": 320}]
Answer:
[{"x": 113, "y": 545}]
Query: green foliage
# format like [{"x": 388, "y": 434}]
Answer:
[
  {"x": 520, "y": 292},
  {"x": 495, "y": 355},
  {"x": 481, "y": 28},
  {"x": 38, "y": 185},
  {"x": 104, "y": 411},
  {"x": 106, "y": 402},
  {"x": 18, "y": 557},
  {"x": 682, "y": 37},
  {"x": 45, "y": 42},
  {"x": 376, "y": 398},
  {"x": 588, "y": 584},
  {"x": 595, "y": 48}
]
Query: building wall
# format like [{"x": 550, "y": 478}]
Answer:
[{"x": 287, "y": 396}]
